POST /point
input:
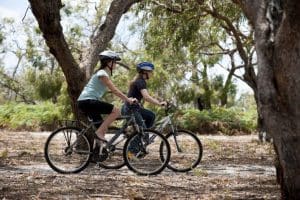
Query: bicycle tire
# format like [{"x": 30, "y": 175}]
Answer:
[
  {"x": 191, "y": 150},
  {"x": 150, "y": 163},
  {"x": 115, "y": 158},
  {"x": 63, "y": 148}
]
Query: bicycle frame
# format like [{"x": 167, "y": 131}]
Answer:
[
  {"x": 72, "y": 141},
  {"x": 164, "y": 122},
  {"x": 129, "y": 120}
]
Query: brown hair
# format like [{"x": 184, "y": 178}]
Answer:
[{"x": 104, "y": 63}]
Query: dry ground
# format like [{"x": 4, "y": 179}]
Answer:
[{"x": 232, "y": 167}]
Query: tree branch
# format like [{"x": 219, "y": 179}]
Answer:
[
  {"x": 14, "y": 86},
  {"x": 105, "y": 33},
  {"x": 230, "y": 29},
  {"x": 172, "y": 9}
]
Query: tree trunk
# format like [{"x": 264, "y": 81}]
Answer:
[
  {"x": 105, "y": 33},
  {"x": 47, "y": 14},
  {"x": 263, "y": 135},
  {"x": 225, "y": 89},
  {"x": 207, "y": 90},
  {"x": 277, "y": 33}
]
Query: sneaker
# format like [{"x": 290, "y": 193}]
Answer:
[
  {"x": 100, "y": 153},
  {"x": 136, "y": 156},
  {"x": 131, "y": 156},
  {"x": 95, "y": 154}
]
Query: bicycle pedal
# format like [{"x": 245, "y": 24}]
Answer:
[
  {"x": 98, "y": 164},
  {"x": 100, "y": 154}
]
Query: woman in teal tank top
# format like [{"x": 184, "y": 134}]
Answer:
[{"x": 89, "y": 101}]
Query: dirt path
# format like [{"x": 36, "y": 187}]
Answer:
[{"x": 236, "y": 167}]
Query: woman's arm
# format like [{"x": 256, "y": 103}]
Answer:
[
  {"x": 108, "y": 83},
  {"x": 150, "y": 99}
]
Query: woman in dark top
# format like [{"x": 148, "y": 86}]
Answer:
[{"x": 138, "y": 90}]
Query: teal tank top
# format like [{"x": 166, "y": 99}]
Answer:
[{"x": 95, "y": 88}]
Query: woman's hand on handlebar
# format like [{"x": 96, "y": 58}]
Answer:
[
  {"x": 132, "y": 100},
  {"x": 163, "y": 103}
]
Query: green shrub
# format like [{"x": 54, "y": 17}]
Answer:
[
  {"x": 229, "y": 121},
  {"x": 43, "y": 116},
  {"x": 29, "y": 117}
]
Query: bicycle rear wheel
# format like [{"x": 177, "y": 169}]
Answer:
[
  {"x": 186, "y": 150},
  {"x": 115, "y": 158},
  {"x": 146, "y": 160},
  {"x": 67, "y": 151}
]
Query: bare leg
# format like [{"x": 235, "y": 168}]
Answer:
[{"x": 115, "y": 113}]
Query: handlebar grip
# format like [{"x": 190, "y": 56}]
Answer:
[{"x": 135, "y": 101}]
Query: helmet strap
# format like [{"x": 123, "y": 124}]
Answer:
[{"x": 111, "y": 67}]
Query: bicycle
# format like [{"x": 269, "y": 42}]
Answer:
[
  {"x": 186, "y": 148},
  {"x": 67, "y": 149}
]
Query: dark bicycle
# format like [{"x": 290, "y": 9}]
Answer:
[{"x": 67, "y": 150}]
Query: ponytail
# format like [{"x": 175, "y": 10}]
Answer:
[{"x": 134, "y": 79}]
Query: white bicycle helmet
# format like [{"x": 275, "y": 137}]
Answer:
[{"x": 109, "y": 55}]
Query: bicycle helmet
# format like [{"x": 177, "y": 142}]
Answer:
[
  {"x": 109, "y": 55},
  {"x": 147, "y": 66}
]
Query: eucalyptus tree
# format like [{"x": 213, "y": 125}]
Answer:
[
  {"x": 277, "y": 42},
  {"x": 206, "y": 31},
  {"x": 215, "y": 29}
]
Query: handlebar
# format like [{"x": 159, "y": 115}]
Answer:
[
  {"x": 168, "y": 107},
  {"x": 136, "y": 105}
]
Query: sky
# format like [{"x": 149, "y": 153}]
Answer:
[
  {"x": 17, "y": 10},
  {"x": 13, "y": 8}
]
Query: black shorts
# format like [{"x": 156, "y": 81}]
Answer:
[{"x": 94, "y": 108}]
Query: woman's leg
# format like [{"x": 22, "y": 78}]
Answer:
[
  {"x": 94, "y": 109},
  {"x": 115, "y": 113},
  {"x": 148, "y": 116}
]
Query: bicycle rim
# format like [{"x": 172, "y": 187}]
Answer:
[
  {"x": 66, "y": 151},
  {"x": 186, "y": 151},
  {"x": 145, "y": 159},
  {"x": 115, "y": 159}
]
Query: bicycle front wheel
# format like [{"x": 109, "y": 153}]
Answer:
[
  {"x": 67, "y": 150},
  {"x": 143, "y": 154},
  {"x": 186, "y": 150},
  {"x": 115, "y": 158}
]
